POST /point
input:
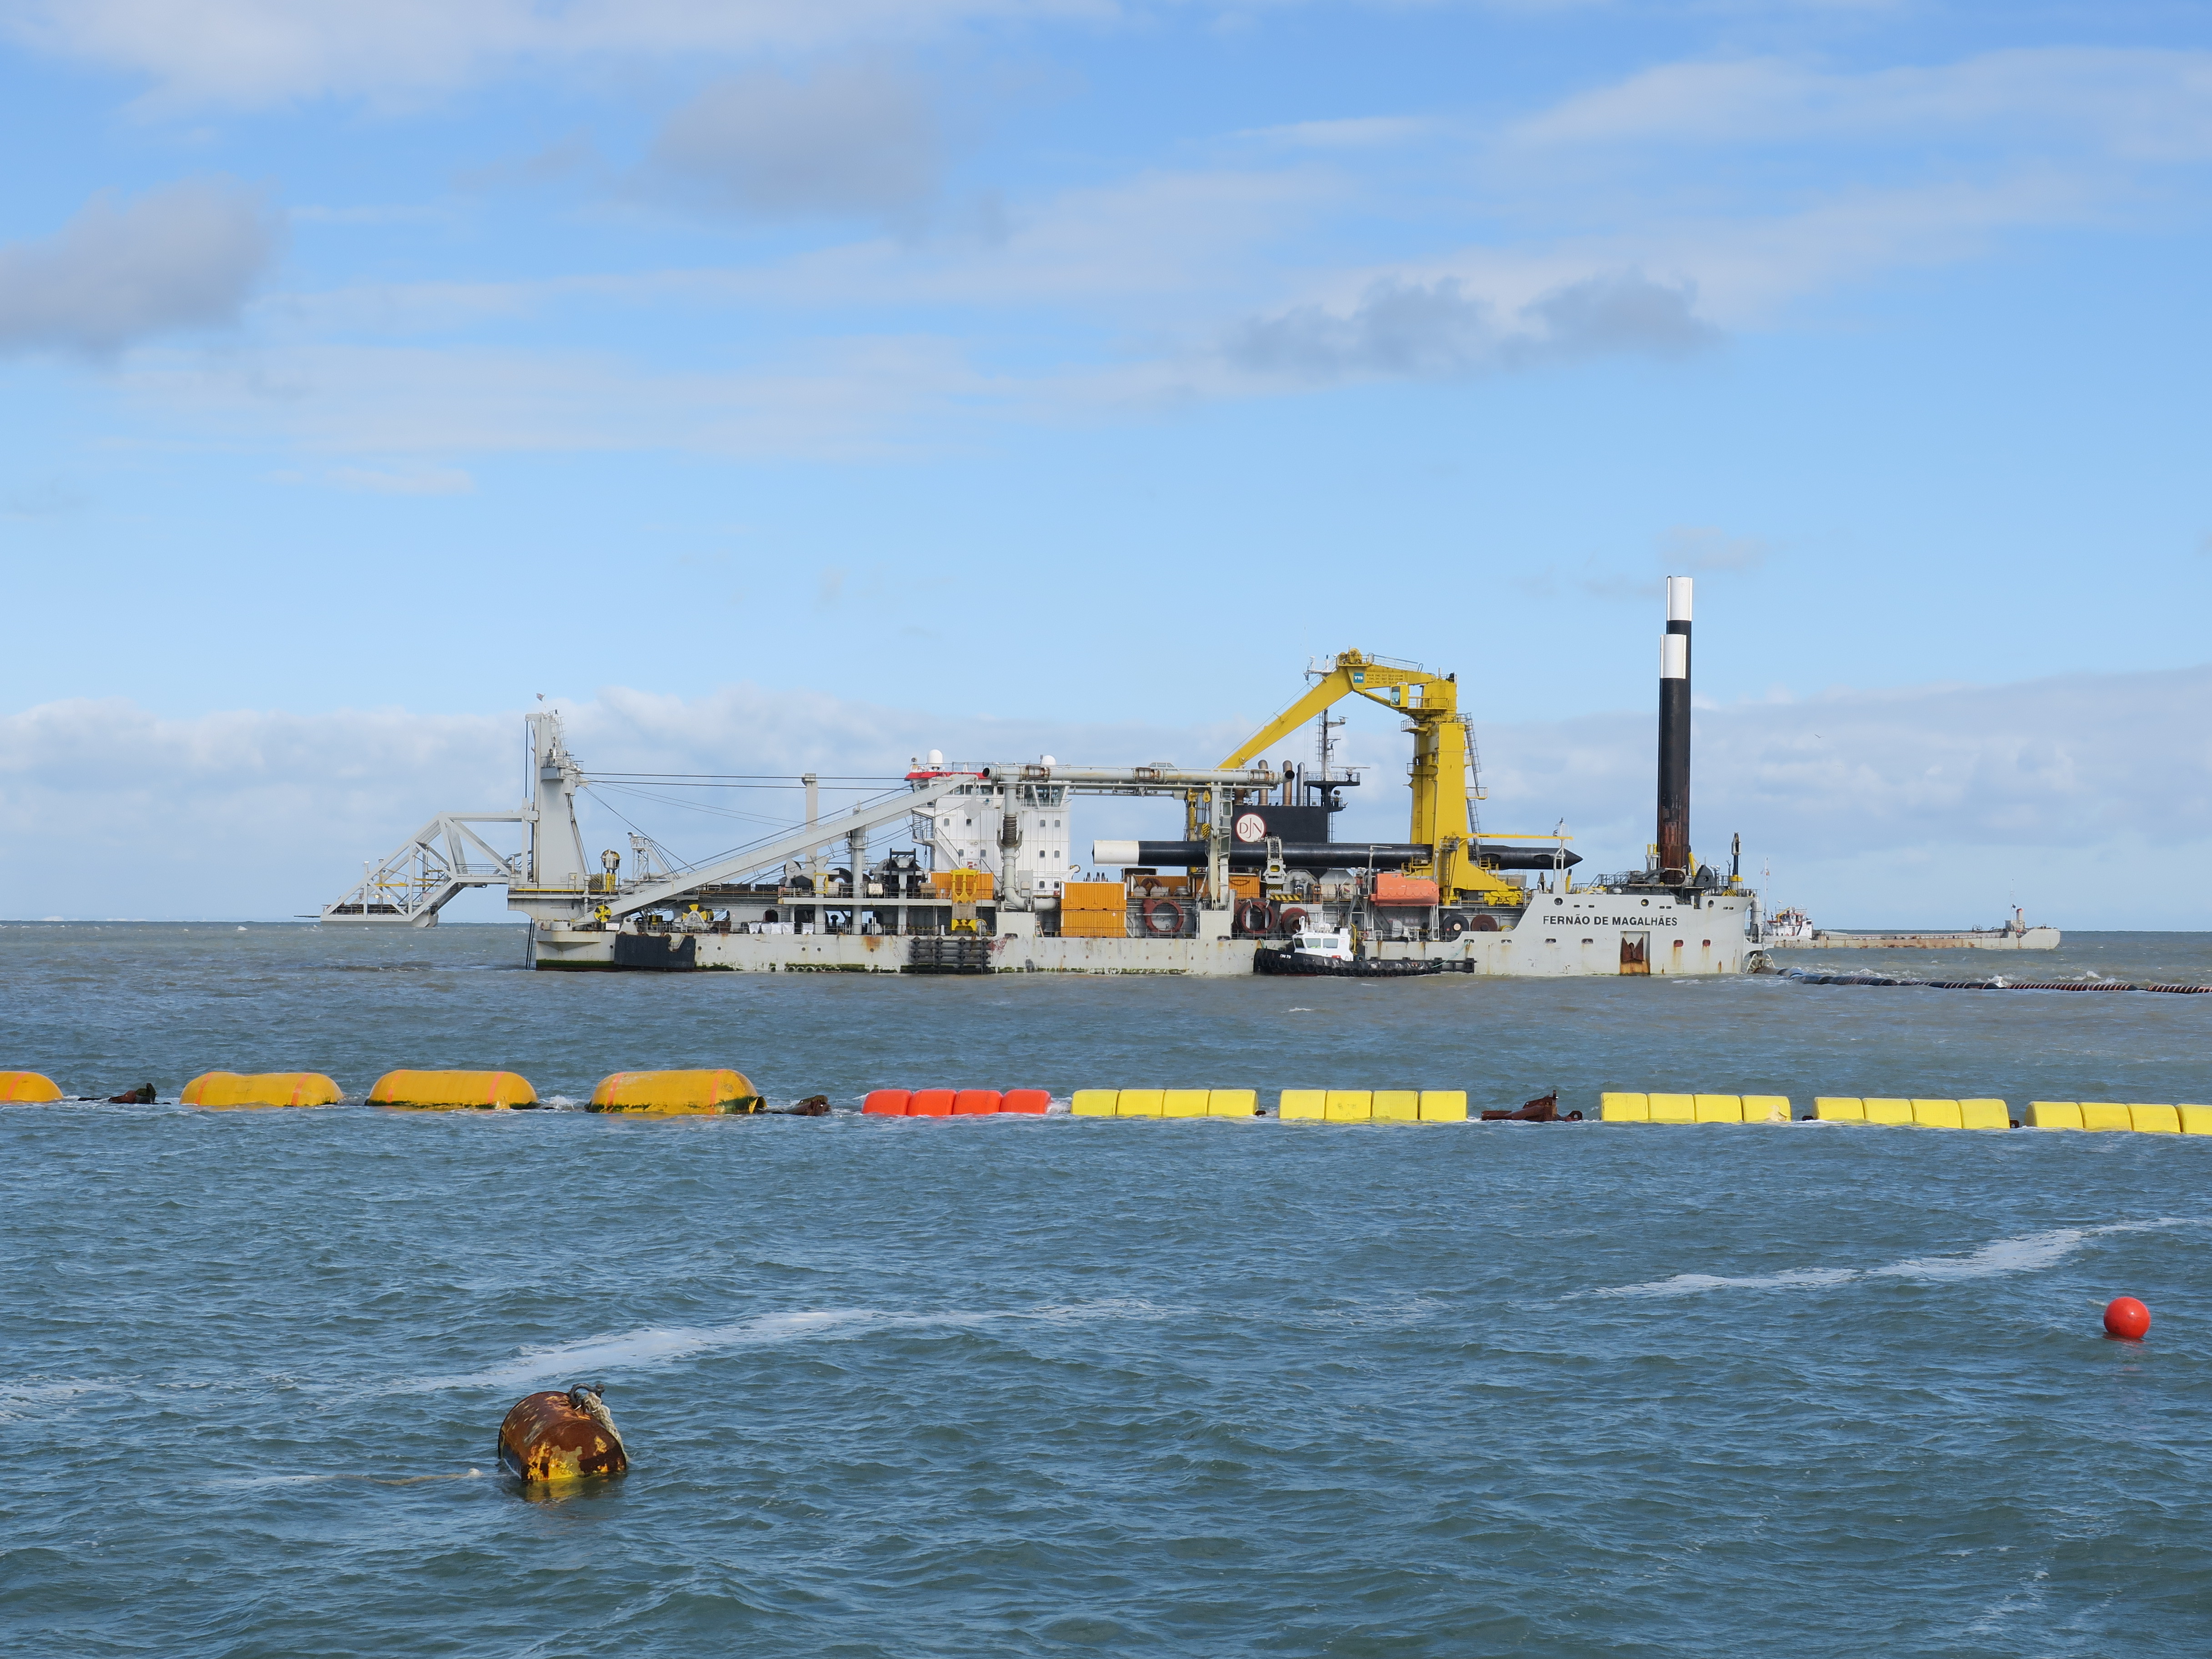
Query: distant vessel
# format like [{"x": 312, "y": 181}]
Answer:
[
  {"x": 1790, "y": 927},
  {"x": 1793, "y": 930}
]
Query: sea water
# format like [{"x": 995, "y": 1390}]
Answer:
[{"x": 1076, "y": 1385}]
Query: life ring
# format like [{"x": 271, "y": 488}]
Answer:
[
  {"x": 1162, "y": 916},
  {"x": 1255, "y": 916}
]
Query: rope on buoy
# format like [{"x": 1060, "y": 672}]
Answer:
[
  {"x": 562, "y": 1434},
  {"x": 591, "y": 1400}
]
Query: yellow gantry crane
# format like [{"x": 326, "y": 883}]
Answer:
[{"x": 1429, "y": 703}]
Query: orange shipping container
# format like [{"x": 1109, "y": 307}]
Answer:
[
  {"x": 1094, "y": 924},
  {"x": 1093, "y": 895}
]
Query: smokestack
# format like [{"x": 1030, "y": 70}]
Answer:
[{"x": 1674, "y": 735}]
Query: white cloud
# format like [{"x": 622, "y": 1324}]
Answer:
[
  {"x": 1180, "y": 240},
  {"x": 1160, "y": 259},
  {"x": 1923, "y": 807},
  {"x": 1439, "y": 330},
  {"x": 850, "y": 139},
  {"x": 1746, "y": 266},
  {"x": 1160, "y": 287},
  {"x": 1184, "y": 237},
  {"x": 2063, "y": 778},
  {"x": 182, "y": 257},
  {"x": 228, "y": 814},
  {"x": 2146, "y": 104},
  {"x": 848, "y": 398},
  {"x": 258, "y": 51}
]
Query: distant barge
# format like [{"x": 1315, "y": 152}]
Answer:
[{"x": 1792, "y": 930}]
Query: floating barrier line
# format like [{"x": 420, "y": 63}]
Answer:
[{"x": 1816, "y": 976}]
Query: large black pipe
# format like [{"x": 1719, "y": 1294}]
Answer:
[
  {"x": 1674, "y": 734},
  {"x": 1321, "y": 855},
  {"x": 1526, "y": 858}
]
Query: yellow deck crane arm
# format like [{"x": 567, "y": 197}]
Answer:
[{"x": 1429, "y": 703}]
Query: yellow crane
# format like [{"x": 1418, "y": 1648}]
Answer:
[{"x": 1429, "y": 703}]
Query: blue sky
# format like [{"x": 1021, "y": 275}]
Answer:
[{"x": 1087, "y": 366}]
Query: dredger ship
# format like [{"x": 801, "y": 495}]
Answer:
[{"x": 969, "y": 868}]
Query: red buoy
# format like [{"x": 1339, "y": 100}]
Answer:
[{"x": 2127, "y": 1319}]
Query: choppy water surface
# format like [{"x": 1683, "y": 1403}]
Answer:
[{"x": 1073, "y": 1386}]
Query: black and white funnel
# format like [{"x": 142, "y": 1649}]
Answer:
[{"x": 1674, "y": 735}]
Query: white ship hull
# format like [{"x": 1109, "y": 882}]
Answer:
[{"x": 1560, "y": 936}]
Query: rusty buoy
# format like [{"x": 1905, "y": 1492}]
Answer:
[{"x": 557, "y": 1436}]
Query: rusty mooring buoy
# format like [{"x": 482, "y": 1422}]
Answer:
[{"x": 557, "y": 1436}]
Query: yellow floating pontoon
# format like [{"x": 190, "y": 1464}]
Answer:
[
  {"x": 676, "y": 1094},
  {"x": 446, "y": 1091},
  {"x": 222, "y": 1091}
]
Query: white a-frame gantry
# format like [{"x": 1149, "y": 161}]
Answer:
[{"x": 446, "y": 854}]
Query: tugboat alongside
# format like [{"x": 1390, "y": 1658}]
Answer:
[
  {"x": 1333, "y": 956},
  {"x": 985, "y": 880}
]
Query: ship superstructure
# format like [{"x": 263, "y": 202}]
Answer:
[
  {"x": 968, "y": 828},
  {"x": 972, "y": 866}
]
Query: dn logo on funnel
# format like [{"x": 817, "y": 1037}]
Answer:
[{"x": 1250, "y": 828}]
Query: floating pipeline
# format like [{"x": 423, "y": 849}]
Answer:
[
  {"x": 36, "y": 1089},
  {"x": 453, "y": 1092},
  {"x": 556, "y": 1436},
  {"x": 955, "y": 1103},
  {"x": 229, "y": 1091},
  {"x": 677, "y": 1094},
  {"x": 719, "y": 1092},
  {"x": 2138, "y": 1116},
  {"x": 1373, "y": 1105},
  {"x": 1902, "y": 1111},
  {"x": 1164, "y": 1102},
  {"x": 1816, "y": 976},
  {"x": 1629, "y": 1107},
  {"x": 1922, "y": 1111}
]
